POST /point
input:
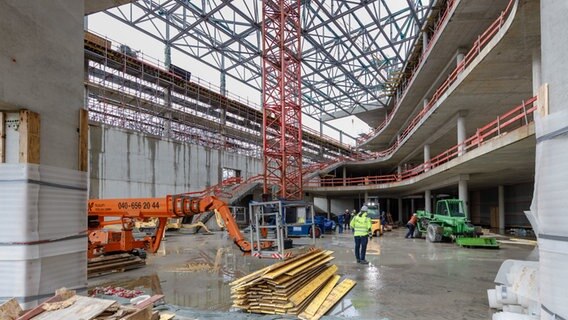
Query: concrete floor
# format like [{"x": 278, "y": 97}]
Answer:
[{"x": 406, "y": 278}]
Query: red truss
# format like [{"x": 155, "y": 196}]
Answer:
[{"x": 281, "y": 96}]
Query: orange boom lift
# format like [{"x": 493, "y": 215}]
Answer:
[{"x": 104, "y": 241}]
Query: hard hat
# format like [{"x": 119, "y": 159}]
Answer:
[
  {"x": 346, "y": 210},
  {"x": 414, "y": 214},
  {"x": 364, "y": 208}
]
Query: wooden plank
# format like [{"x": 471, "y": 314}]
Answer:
[
  {"x": 83, "y": 140},
  {"x": 303, "y": 293},
  {"x": 150, "y": 301},
  {"x": 38, "y": 309},
  {"x": 313, "y": 307},
  {"x": 244, "y": 281},
  {"x": 98, "y": 40},
  {"x": 10, "y": 310},
  {"x": 309, "y": 265},
  {"x": 542, "y": 102},
  {"x": 2, "y": 137},
  {"x": 290, "y": 266},
  {"x": 140, "y": 314},
  {"x": 29, "y": 130},
  {"x": 335, "y": 295},
  {"x": 84, "y": 308}
]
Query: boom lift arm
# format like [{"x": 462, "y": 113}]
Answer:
[{"x": 172, "y": 206}]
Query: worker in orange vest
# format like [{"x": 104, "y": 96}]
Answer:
[{"x": 411, "y": 225}]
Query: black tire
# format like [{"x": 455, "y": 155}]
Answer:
[
  {"x": 434, "y": 233},
  {"x": 416, "y": 233},
  {"x": 317, "y": 232}
]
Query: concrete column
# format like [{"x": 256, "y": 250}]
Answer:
[
  {"x": 388, "y": 209},
  {"x": 328, "y": 202},
  {"x": 321, "y": 134},
  {"x": 223, "y": 77},
  {"x": 425, "y": 40},
  {"x": 536, "y": 70},
  {"x": 341, "y": 136},
  {"x": 42, "y": 70},
  {"x": 426, "y": 157},
  {"x": 168, "y": 48},
  {"x": 344, "y": 175},
  {"x": 462, "y": 195},
  {"x": 400, "y": 210},
  {"x": 399, "y": 171},
  {"x": 459, "y": 57},
  {"x": 501, "y": 207},
  {"x": 461, "y": 134},
  {"x": 366, "y": 197},
  {"x": 428, "y": 200},
  {"x": 412, "y": 208},
  {"x": 549, "y": 203},
  {"x": 168, "y": 114}
]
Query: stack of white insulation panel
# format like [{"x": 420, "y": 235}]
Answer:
[{"x": 43, "y": 224}]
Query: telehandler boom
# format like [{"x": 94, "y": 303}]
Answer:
[{"x": 105, "y": 241}]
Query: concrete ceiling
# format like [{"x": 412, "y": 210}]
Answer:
[
  {"x": 469, "y": 20},
  {"x": 499, "y": 79},
  {"x": 94, "y": 6},
  {"x": 507, "y": 159}
]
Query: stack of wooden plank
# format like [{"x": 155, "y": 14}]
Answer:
[
  {"x": 114, "y": 263},
  {"x": 305, "y": 286}
]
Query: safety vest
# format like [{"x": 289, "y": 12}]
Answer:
[{"x": 361, "y": 225}]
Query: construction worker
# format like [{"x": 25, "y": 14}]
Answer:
[
  {"x": 346, "y": 219},
  {"x": 340, "y": 222},
  {"x": 361, "y": 225},
  {"x": 411, "y": 225}
]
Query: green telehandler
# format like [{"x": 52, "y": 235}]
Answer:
[{"x": 450, "y": 223}]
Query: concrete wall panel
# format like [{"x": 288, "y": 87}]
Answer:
[
  {"x": 41, "y": 58},
  {"x": 131, "y": 164}
]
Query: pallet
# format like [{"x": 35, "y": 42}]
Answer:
[{"x": 100, "y": 266}]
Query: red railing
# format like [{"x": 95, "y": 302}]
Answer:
[
  {"x": 478, "y": 45},
  {"x": 517, "y": 117}
]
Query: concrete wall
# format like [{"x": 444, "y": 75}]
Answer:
[
  {"x": 130, "y": 164},
  {"x": 41, "y": 69},
  {"x": 517, "y": 200},
  {"x": 336, "y": 206}
]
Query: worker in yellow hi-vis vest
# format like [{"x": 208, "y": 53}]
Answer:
[{"x": 361, "y": 226}]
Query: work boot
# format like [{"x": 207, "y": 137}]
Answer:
[
  {"x": 363, "y": 262},
  {"x": 358, "y": 261}
]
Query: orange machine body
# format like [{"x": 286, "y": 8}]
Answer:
[{"x": 104, "y": 241}]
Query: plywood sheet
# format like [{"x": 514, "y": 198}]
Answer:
[{"x": 83, "y": 308}]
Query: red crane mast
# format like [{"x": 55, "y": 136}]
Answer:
[{"x": 281, "y": 97}]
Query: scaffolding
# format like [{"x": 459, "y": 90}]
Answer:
[
  {"x": 272, "y": 220},
  {"x": 138, "y": 93}
]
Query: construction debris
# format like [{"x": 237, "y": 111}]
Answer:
[
  {"x": 304, "y": 286},
  {"x": 10, "y": 310},
  {"x": 113, "y": 263},
  {"x": 66, "y": 305},
  {"x": 116, "y": 292}
]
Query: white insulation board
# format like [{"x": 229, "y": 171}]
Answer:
[{"x": 43, "y": 226}]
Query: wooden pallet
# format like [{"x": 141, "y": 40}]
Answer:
[
  {"x": 114, "y": 263},
  {"x": 290, "y": 287}
]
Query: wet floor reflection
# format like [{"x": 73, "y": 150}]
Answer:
[{"x": 406, "y": 278}]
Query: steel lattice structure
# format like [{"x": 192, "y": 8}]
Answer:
[
  {"x": 281, "y": 96},
  {"x": 352, "y": 50}
]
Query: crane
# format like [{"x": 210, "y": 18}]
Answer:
[{"x": 128, "y": 210}]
